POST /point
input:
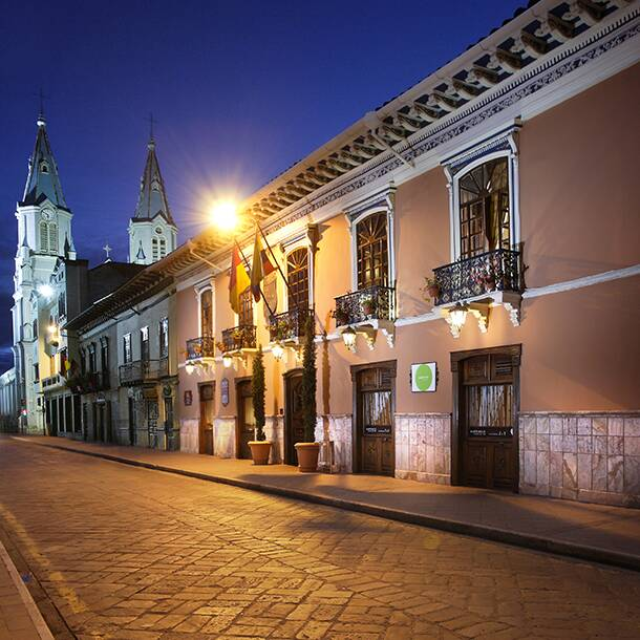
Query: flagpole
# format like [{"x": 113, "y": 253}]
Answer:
[{"x": 246, "y": 264}]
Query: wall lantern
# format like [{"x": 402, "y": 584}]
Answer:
[
  {"x": 278, "y": 351},
  {"x": 456, "y": 319},
  {"x": 227, "y": 361},
  {"x": 189, "y": 368},
  {"x": 349, "y": 339}
]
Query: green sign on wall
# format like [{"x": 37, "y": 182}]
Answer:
[{"x": 423, "y": 377}]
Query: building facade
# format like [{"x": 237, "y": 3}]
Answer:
[{"x": 517, "y": 370}]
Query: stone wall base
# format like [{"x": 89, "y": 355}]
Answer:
[
  {"x": 334, "y": 431},
  {"x": 274, "y": 430},
  {"x": 189, "y": 435},
  {"x": 591, "y": 457},
  {"x": 423, "y": 447}
]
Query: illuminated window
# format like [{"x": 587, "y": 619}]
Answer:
[{"x": 372, "y": 251}]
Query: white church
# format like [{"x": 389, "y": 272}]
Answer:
[{"x": 51, "y": 284}]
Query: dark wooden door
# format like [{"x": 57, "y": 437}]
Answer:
[
  {"x": 374, "y": 423},
  {"x": 294, "y": 427},
  {"x": 246, "y": 421},
  {"x": 487, "y": 418},
  {"x": 206, "y": 419}
]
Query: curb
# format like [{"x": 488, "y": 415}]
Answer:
[
  {"x": 32, "y": 608},
  {"x": 535, "y": 543}
]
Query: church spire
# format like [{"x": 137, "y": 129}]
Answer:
[
  {"x": 43, "y": 180},
  {"x": 152, "y": 200}
]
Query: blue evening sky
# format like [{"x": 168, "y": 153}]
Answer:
[{"x": 240, "y": 90}]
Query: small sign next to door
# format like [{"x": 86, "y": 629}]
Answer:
[{"x": 423, "y": 377}]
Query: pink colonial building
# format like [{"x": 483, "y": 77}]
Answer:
[{"x": 508, "y": 178}]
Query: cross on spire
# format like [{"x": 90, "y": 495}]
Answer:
[
  {"x": 151, "y": 123},
  {"x": 107, "y": 249},
  {"x": 41, "y": 98}
]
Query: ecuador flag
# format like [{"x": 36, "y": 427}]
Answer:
[
  {"x": 239, "y": 280},
  {"x": 261, "y": 267}
]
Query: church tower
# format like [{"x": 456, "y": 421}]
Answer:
[
  {"x": 44, "y": 236},
  {"x": 152, "y": 232}
]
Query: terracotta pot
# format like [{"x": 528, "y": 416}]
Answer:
[
  {"x": 308, "y": 453},
  {"x": 260, "y": 450}
]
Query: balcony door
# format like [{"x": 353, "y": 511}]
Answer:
[
  {"x": 374, "y": 424},
  {"x": 372, "y": 248},
  {"x": 485, "y": 219},
  {"x": 485, "y": 438},
  {"x": 206, "y": 314},
  {"x": 298, "y": 279}
]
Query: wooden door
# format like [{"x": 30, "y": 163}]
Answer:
[
  {"x": 246, "y": 421},
  {"x": 374, "y": 420},
  {"x": 487, "y": 417},
  {"x": 294, "y": 427},
  {"x": 206, "y": 419}
]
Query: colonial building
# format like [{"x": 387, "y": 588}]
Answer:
[{"x": 507, "y": 178}]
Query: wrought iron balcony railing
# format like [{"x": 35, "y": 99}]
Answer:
[
  {"x": 140, "y": 371},
  {"x": 483, "y": 274},
  {"x": 241, "y": 337},
  {"x": 288, "y": 325},
  {"x": 373, "y": 303},
  {"x": 200, "y": 348}
]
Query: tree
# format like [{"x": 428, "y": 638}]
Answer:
[
  {"x": 258, "y": 394},
  {"x": 309, "y": 381}
]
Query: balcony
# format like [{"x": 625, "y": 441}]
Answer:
[
  {"x": 372, "y": 303},
  {"x": 288, "y": 326},
  {"x": 89, "y": 382},
  {"x": 55, "y": 380},
  {"x": 199, "y": 348},
  {"x": 141, "y": 371},
  {"x": 473, "y": 283},
  {"x": 366, "y": 311},
  {"x": 241, "y": 337}
]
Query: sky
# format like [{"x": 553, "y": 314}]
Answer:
[{"x": 239, "y": 90}]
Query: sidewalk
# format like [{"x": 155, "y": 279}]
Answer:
[
  {"x": 19, "y": 615},
  {"x": 591, "y": 532}
]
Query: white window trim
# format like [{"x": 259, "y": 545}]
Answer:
[
  {"x": 199, "y": 292},
  {"x": 508, "y": 150},
  {"x": 380, "y": 203}
]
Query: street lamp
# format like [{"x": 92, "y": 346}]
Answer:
[
  {"x": 224, "y": 215},
  {"x": 189, "y": 368},
  {"x": 278, "y": 351},
  {"x": 227, "y": 361},
  {"x": 349, "y": 338}
]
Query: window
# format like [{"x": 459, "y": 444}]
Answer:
[
  {"x": 83, "y": 361},
  {"x": 485, "y": 219},
  {"x": 154, "y": 249},
  {"x": 63, "y": 362},
  {"x": 126, "y": 343},
  {"x": 164, "y": 338},
  {"x": 144, "y": 344},
  {"x": 163, "y": 247},
  {"x": 44, "y": 236},
  {"x": 246, "y": 308},
  {"x": 206, "y": 314},
  {"x": 48, "y": 237},
  {"x": 104, "y": 354},
  {"x": 35, "y": 328},
  {"x": 92, "y": 358},
  {"x": 372, "y": 251},
  {"x": 298, "y": 278},
  {"x": 62, "y": 304},
  {"x": 36, "y": 373}
]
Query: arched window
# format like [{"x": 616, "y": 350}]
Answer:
[
  {"x": 154, "y": 249},
  {"x": 53, "y": 237},
  {"x": 163, "y": 247},
  {"x": 206, "y": 314},
  {"x": 372, "y": 251},
  {"x": 44, "y": 236},
  {"x": 485, "y": 218},
  {"x": 298, "y": 278}
]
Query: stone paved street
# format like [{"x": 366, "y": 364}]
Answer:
[{"x": 143, "y": 555}]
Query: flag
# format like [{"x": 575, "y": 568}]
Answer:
[
  {"x": 261, "y": 267},
  {"x": 239, "y": 280}
]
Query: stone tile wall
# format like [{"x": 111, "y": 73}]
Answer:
[
  {"x": 224, "y": 437},
  {"x": 423, "y": 447},
  {"x": 189, "y": 436},
  {"x": 593, "y": 457},
  {"x": 335, "y": 433}
]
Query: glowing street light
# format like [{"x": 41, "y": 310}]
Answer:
[
  {"x": 45, "y": 290},
  {"x": 278, "y": 351},
  {"x": 227, "y": 361},
  {"x": 224, "y": 215}
]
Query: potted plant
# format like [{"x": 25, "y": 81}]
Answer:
[
  {"x": 309, "y": 450},
  {"x": 340, "y": 316},
  {"x": 432, "y": 287},
  {"x": 260, "y": 447},
  {"x": 368, "y": 306}
]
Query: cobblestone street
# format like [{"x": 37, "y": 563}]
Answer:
[{"x": 143, "y": 555}]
